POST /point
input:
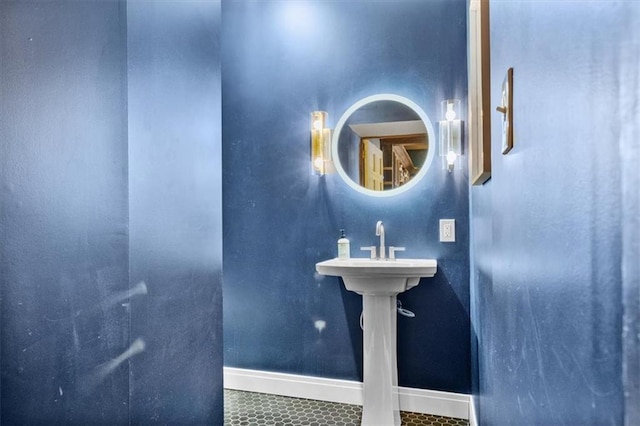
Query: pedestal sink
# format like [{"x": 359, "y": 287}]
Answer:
[{"x": 379, "y": 282}]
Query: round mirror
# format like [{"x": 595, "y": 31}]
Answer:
[{"x": 383, "y": 145}]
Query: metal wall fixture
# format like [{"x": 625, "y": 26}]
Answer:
[
  {"x": 506, "y": 109},
  {"x": 450, "y": 133},
  {"x": 320, "y": 144}
]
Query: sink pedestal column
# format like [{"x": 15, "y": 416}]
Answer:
[{"x": 380, "y": 385}]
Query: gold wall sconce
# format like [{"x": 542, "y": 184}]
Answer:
[
  {"x": 320, "y": 144},
  {"x": 450, "y": 133},
  {"x": 506, "y": 109}
]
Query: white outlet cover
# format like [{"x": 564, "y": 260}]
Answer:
[{"x": 447, "y": 230}]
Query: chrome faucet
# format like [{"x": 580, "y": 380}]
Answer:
[{"x": 380, "y": 233}]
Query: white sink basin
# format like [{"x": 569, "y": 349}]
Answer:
[{"x": 379, "y": 277}]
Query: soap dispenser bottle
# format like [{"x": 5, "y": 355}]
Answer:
[{"x": 344, "y": 249}]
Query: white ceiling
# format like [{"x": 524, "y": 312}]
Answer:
[{"x": 393, "y": 128}]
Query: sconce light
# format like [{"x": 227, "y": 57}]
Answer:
[
  {"x": 320, "y": 144},
  {"x": 450, "y": 133}
]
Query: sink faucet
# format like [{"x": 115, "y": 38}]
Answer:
[{"x": 380, "y": 233}]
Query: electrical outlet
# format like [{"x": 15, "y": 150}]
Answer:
[{"x": 447, "y": 230}]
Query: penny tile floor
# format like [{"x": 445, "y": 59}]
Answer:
[{"x": 258, "y": 409}]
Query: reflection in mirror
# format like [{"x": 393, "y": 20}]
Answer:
[{"x": 382, "y": 143}]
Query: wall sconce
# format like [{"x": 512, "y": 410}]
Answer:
[
  {"x": 320, "y": 144},
  {"x": 450, "y": 133}
]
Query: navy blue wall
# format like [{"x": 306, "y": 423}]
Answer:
[
  {"x": 63, "y": 135},
  {"x": 174, "y": 207},
  {"x": 111, "y": 221},
  {"x": 547, "y": 245},
  {"x": 279, "y": 220}
]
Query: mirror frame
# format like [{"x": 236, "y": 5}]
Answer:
[{"x": 427, "y": 162}]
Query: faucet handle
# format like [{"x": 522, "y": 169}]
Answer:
[
  {"x": 372, "y": 249},
  {"x": 393, "y": 250}
]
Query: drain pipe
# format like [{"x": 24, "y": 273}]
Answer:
[{"x": 404, "y": 312}]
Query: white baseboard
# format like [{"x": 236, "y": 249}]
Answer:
[
  {"x": 473, "y": 418},
  {"x": 344, "y": 391}
]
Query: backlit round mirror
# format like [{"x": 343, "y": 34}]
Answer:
[{"x": 383, "y": 145}]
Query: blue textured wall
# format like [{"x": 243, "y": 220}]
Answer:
[
  {"x": 279, "y": 220},
  {"x": 547, "y": 228},
  {"x": 174, "y": 208},
  {"x": 111, "y": 184},
  {"x": 64, "y": 241}
]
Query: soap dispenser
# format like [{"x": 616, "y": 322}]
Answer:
[{"x": 344, "y": 249}]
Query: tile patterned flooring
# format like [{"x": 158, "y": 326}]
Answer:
[{"x": 257, "y": 409}]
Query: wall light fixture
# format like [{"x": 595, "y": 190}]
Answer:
[
  {"x": 320, "y": 143},
  {"x": 450, "y": 133}
]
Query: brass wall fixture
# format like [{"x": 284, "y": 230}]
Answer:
[
  {"x": 506, "y": 109},
  {"x": 320, "y": 144}
]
